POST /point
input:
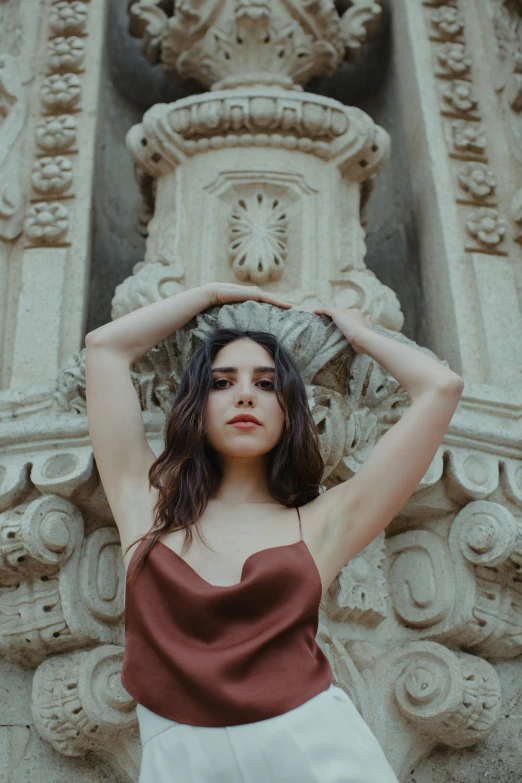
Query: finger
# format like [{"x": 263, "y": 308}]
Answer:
[{"x": 275, "y": 300}]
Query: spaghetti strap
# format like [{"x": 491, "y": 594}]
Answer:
[{"x": 300, "y": 526}]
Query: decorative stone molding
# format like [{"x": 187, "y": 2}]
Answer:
[
  {"x": 417, "y": 695},
  {"x": 46, "y": 223},
  {"x": 458, "y": 99},
  {"x": 486, "y": 226},
  {"x": 270, "y": 117},
  {"x": 61, "y": 91},
  {"x": 227, "y": 45},
  {"x": 477, "y": 182},
  {"x": 360, "y": 593},
  {"x": 59, "y": 591},
  {"x": 466, "y": 140},
  {"x": 52, "y": 175},
  {"x": 446, "y": 23},
  {"x": 453, "y": 697},
  {"x": 453, "y": 61},
  {"x": 68, "y": 17},
  {"x": 79, "y": 704},
  {"x": 56, "y": 134},
  {"x": 14, "y": 111},
  {"x": 484, "y": 230},
  {"x": 65, "y": 54}
]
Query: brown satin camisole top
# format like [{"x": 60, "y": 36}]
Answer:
[{"x": 212, "y": 655}]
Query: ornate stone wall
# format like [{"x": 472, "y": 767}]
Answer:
[{"x": 252, "y": 178}]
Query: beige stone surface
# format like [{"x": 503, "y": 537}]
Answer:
[{"x": 252, "y": 178}]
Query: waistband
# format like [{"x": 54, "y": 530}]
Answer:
[{"x": 151, "y": 724}]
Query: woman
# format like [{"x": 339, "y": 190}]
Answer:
[{"x": 220, "y": 650}]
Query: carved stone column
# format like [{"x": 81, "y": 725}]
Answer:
[{"x": 256, "y": 180}]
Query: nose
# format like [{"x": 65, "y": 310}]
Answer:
[
  {"x": 245, "y": 399},
  {"x": 245, "y": 396}
]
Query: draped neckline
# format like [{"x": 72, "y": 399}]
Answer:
[{"x": 249, "y": 559}]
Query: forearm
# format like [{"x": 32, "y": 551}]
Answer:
[
  {"x": 415, "y": 371},
  {"x": 134, "y": 334}
]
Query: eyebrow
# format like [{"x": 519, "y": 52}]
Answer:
[{"x": 234, "y": 369}]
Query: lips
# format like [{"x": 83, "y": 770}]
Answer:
[{"x": 244, "y": 417}]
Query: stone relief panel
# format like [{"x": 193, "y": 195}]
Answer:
[
  {"x": 484, "y": 228},
  {"x": 258, "y": 237}
]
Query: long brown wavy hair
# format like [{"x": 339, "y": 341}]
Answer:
[{"x": 187, "y": 473}]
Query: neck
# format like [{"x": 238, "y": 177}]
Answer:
[{"x": 244, "y": 481}]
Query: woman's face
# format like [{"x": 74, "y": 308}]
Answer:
[{"x": 243, "y": 382}]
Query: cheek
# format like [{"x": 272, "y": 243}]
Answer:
[{"x": 277, "y": 418}]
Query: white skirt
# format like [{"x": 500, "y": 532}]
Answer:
[{"x": 323, "y": 740}]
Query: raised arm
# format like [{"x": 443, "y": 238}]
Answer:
[
  {"x": 123, "y": 456},
  {"x": 360, "y": 508}
]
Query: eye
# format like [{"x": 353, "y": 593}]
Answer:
[
  {"x": 226, "y": 380},
  {"x": 266, "y": 380}
]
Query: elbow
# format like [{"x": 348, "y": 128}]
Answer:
[
  {"x": 454, "y": 385},
  {"x": 93, "y": 339}
]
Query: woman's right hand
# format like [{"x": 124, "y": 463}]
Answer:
[{"x": 224, "y": 293}]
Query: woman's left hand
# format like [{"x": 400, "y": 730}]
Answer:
[{"x": 351, "y": 322}]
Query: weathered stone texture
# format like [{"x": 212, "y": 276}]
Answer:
[{"x": 336, "y": 153}]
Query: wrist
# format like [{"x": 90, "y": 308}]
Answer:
[
  {"x": 365, "y": 340},
  {"x": 206, "y": 290}
]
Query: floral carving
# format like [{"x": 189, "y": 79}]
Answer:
[
  {"x": 487, "y": 226},
  {"x": 453, "y": 59},
  {"x": 447, "y": 22},
  {"x": 65, "y": 54},
  {"x": 46, "y": 223},
  {"x": 61, "y": 91},
  {"x": 458, "y": 96},
  {"x": 56, "y": 133},
  {"x": 68, "y": 17},
  {"x": 52, "y": 175},
  {"x": 468, "y": 137},
  {"x": 477, "y": 180},
  {"x": 258, "y": 238}
]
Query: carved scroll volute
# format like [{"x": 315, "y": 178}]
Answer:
[
  {"x": 79, "y": 703},
  {"x": 489, "y": 539},
  {"x": 60, "y": 591},
  {"x": 486, "y": 533},
  {"x": 420, "y": 694},
  {"x": 416, "y": 695},
  {"x": 420, "y": 578},
  {"x": 452, "y": 696},
  {"x": 37, "y": 536}
]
